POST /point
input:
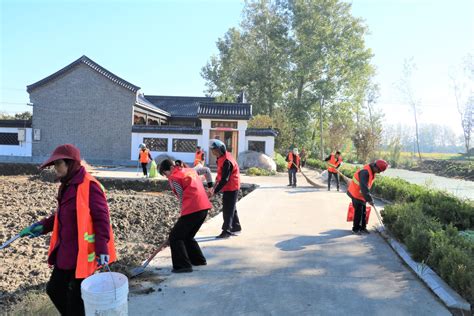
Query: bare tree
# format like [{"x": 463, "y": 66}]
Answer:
[
  {"x": 464, "y": 96},
  {"x": 406, "y": 89}
]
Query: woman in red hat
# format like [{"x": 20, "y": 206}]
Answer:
[
  {"x": 82, "y": 238},
  {"x": 358, "y": 191}
]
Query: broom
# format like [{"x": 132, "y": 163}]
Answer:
[{"x": 314, "y": 184}]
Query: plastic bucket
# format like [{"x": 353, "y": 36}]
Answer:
[
  {"x": 350, "y": 213},
  {"x": 105, "y": 294}
]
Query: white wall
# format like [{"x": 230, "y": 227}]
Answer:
[
  {"x": 206, "y": 128},
  {"x": 24, "y": 149},
  {"x": 269, "y": 143},
  {"x": 137, "y": 139}
]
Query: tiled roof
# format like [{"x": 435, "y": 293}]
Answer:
[
  {"x": 89, "y": 62},
  {"x": 147, "y": 104},
  {"x": 225, "y": 110},
  {"x": 186, "y": 107},
  {"x": 15, "y": 123},
  {"x": 166, "y": 129},
  {"x": 261, "y": 132}
]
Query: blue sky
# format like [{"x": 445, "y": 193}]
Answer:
[{"x": 162, "y": 45}]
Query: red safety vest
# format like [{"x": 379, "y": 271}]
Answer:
[
  {"x": 194, "y": 195},
  {"x": 86, "y": 263},
  {"x": 199, "y": 158},
  {"x": 234, "y": 181},
  {"x": 354, "y": 186},
  {"x": 144, "y": 156},
  {"x": 291, "y": 160},
  {"x": 333, "y": 163}
]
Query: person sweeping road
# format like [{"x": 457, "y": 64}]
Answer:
[
  {"x": 334, "y": 161},
  {"x": 228, "y": 182},
  {"x": 293, "y": 160},
  {"x": 188, "y": 188},
  {"x": 82, "y": 238},
  {"x": 358, "y": 191}
]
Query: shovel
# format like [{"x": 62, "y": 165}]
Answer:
[
  {"x": 139, "y": 270},
  {"x": 10, "y": 241}
]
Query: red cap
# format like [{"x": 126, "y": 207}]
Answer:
[
  {"x": 381, "y": 164},
  {"x": 66, "y": 151}
]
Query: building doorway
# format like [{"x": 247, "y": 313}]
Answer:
[{"x": 231, "y": 141}]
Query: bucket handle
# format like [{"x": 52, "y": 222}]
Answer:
[{"x": 113, "y": 281}]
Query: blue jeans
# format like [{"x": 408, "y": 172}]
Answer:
[{"x": 292, "y": 176}]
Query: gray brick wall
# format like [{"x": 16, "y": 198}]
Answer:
[{"x": 86, "y": 109}]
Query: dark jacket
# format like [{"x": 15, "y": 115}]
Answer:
[{"x": 64, "y": 256}]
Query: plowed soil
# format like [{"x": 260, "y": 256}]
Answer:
[{"x": 141, "y": 221}]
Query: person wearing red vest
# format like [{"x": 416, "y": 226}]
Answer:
[
  {"x": 293, "y": 166},
  {"x": 82, "y": 238},
  {"x": 188, "y": 187},
  {"x": 333, "y": 162},
  {"x": 358, "y": 191},
  {"x": 144, "y": 157},
  {"x": 228, "y": 182},
  {"x": 199, "y": 157}
]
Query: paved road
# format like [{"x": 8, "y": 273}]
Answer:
[{"x": 296, "y": 256}]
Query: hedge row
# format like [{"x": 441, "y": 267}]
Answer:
[
  {"x": 427, "y": 222},
  {"x": 441, "y": 247}
]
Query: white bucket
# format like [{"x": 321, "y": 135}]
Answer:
[{"x": 105, "y": 294}]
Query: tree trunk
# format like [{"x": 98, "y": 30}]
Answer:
[
  {"x": 416, "y": 133},
  {"x": 321, "y": 105}
]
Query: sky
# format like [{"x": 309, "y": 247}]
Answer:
[{"x": 161, "y": 46}]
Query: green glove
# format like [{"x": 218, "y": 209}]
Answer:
[{"x": 33, "y": 231}]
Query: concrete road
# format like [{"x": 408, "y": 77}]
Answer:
[{"x": 295, "y": 256}]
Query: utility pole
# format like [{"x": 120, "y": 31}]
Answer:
[{"x": 321, "y": 105}]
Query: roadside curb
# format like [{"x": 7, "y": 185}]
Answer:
[{"x": 449, "y": 297}]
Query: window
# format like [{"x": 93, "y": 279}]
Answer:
[
  {"x": 225, "y": 124},
  {"x": 257, "y": 146},
  {"x": 9, "y": 139},
  {"x": 184, "y": 145},
  {"x": 156, "y": 144}
]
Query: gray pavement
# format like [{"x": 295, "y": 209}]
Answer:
[{"x": 295, "y": 256}]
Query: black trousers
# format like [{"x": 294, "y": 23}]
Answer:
[
  {"x": 292, "y": 176},
  {"x": 359, "y": 215},
  {"x": 145, "y": 172},
  {"x": 185, "y": 250},
  {"x": 336, "y": 176},
  {"x": 65, "y": 291},
  {"x": 229, "y": 212}
]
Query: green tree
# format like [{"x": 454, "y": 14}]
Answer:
[{"x": 306, "y": 58}]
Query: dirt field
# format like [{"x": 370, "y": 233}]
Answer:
[{"x": 141, "y": 222}]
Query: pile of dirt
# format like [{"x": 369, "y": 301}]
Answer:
[{"x": 141, "y": 221}]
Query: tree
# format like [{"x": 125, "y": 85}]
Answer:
[
  {"x": 17, "y": 116},
  {"x": 464, "y": 95},
  {"x": 253, "y": 58},
  {"x": 406, "y": 89},
  {"x": 23, "y": 116},
  {"x": 306, "y": 58}
]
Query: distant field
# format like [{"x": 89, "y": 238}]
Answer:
[{"x": 443, "y": 156}]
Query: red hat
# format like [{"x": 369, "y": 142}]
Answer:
[
  {"x": 381, "y": 164},
  {"x": 66, "y": 151}
]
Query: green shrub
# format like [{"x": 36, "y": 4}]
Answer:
[
  {"x": 316, "y": 163},
  {"x": 253, "y": 171},
  {"x": 280, "y": 162},
  {"x": 441, "y": 247}
]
